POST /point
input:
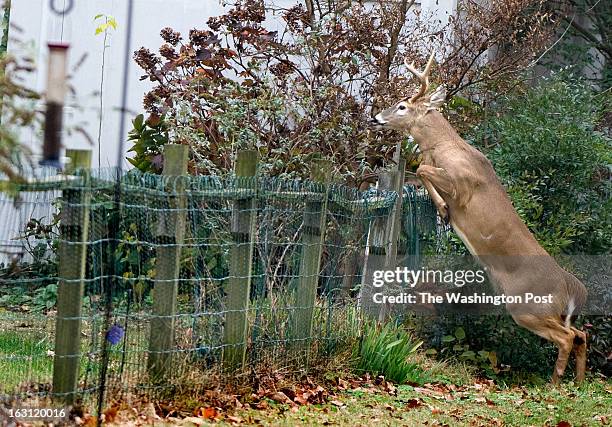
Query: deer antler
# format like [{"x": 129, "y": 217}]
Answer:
[{"x": 423, "y": 77}]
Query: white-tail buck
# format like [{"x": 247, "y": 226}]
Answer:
[{"x": 466, "y": 191}]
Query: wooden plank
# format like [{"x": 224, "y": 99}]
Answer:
[
  {"x": 74, "y": 224},
  {"x": 394, "y": 225},
  {"x": 376, "y": 252},
  {"x": 170, "y": 231},
  {"x": 238, "y": 284},
  {"x": 310, "y": 264}
]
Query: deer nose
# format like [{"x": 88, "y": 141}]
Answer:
[{"x": 378, "y": 120}]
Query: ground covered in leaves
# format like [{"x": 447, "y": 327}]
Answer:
[{"x": 365, "y": 401}]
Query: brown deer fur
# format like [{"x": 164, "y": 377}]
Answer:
[{"x": 466, "y": 191}]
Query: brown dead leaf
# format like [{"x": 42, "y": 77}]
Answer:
[
  {"x": 110, "y": 414},
  {"x": 602, "y": 419},
  {"x": 208, "y": 413},
  {"x": 436, "y": 394},
  {"x": 563, "y": 424},
  {"x": 390, "y": 388},
  {"x": 300, "y": 400},
  {"x": 435, "y": 410},
  {"x": 413, "y": 403},
  {"x": 337, "y": 403},
  {"x": 280, "y": 397},
  {"x": 290, "y": 392},
  {"x": 233, "y": 420},
  {"x": 262, "y": 405},
  {"x": 90, "y": 421}
]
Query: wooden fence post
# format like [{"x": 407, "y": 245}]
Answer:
[
  {"x": 74, "y": 224},
  {"x": 394, "y": 225},
  {"x": 238, "y": 284},
  {"x": 170, "y": 232},
  {"x": 383, "y": 240},
  {"x": 376, "y": 252},
  {"x": 310, "y": 263}
]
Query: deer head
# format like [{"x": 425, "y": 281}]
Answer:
[{"x": 406, "y": 113}]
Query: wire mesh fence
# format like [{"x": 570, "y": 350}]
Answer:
[{"x": 145, "y": 283}]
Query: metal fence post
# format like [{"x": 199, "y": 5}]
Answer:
[
  {"x": 170, "y": 234},
  {"x": 310, "y": 263},
  {"x": 74, "y": 224},
  {"x": 238, "y": 285}
]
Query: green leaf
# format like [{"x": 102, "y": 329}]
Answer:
[
  {"x": 393, "y": 344},
  {"x": 460, "y": 333},
  {"x": 448, "y": 338},
  {"x": 138, "y": 122},
  {"x": 468, "y": 354},
  {"x": 484, "y": 354}
]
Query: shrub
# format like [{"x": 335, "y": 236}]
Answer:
[
  {"x": 386, "y": 350},
  {"x": 555, "y": 163},
  {"x": 310, "y": 90},
  {"x": 493, "y": 343}
]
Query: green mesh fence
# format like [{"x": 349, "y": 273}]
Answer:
[{"x": 172, "y": 289}]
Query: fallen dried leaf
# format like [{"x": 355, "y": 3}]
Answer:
[
  {"x": 280, "y": 397},
  {"x": 602, "y": 419},
  {"x": 208, "y": 413},
  {"x": 289, "y": 392},
  {"x": 563, "y": 424},
  {"x": 413, "y": 403},
  {"x": 300, "y": 400},
  {"x": 110, "y": 414},
  {"x": 337, "y": 403},
  {"x": 233, "y": 419}
]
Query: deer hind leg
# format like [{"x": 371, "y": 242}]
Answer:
[
  {"x": 580, "y": 349},
  {"x": 553, "y": 330}
]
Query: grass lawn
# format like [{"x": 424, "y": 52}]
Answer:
[
  {"x": 23, "y": 359},
  {"x": 479, "y": 404}
]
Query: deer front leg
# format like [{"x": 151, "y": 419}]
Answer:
[
  {"x": 433, "y": 179},
  {"x": 437, "y": 200}
]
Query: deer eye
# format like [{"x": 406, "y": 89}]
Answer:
[{"x": 402, "y": 107}]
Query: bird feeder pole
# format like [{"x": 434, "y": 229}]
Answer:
[{"x": 56, "y": 94}]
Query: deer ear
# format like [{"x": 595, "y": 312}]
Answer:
[{"x": 436, "y": 99}]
